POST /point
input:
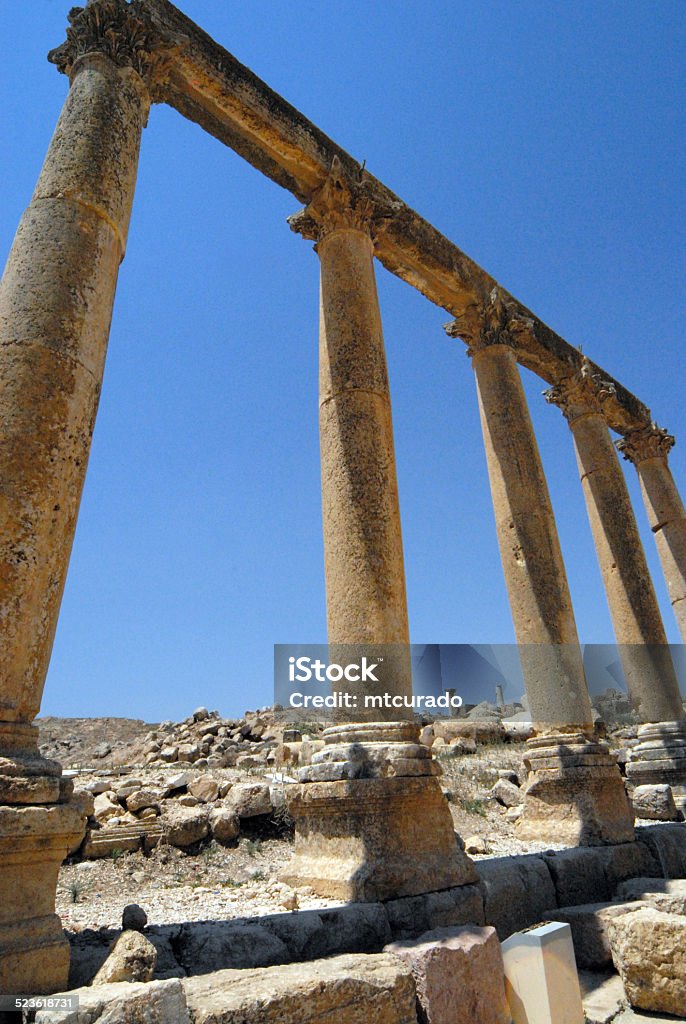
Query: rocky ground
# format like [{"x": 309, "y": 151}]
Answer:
[{"x": 188, "y": 819}]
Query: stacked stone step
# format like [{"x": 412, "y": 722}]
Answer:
[{"x": 374, "y": 750}]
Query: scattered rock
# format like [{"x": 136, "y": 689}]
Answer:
[
  {"x": 204, "y": 788},
  {"x": 649, "y": 951},
  {"x": 506, "y": 793},
  {"x": 133, "y": 918},
  {"x": 132, "y": 958},
  {"x": 106, "y": 806},
  {"x": 142, "y": 798},
  {"x": 475, "y": 844},
  {"x": 656, "y": 803},
  {"x": 224, "y": 824},
  {"x": 185, "y": 826},
  {"x": 249, "y": 799}
]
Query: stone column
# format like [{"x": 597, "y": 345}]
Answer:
[
  {"x": 56, "y": 301},
  {"x": 575, "y": 792},
  {"x": 661, "y": 753},
  {"x": 649, "y": 449},
  {"x": 636, "y": 618},
  {"x": 371, "y": 821}
]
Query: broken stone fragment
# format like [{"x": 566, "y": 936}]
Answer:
[
  {"x": 458, "y": 974},
  {"x": 506, "y": 793},
  {"x": 655, "y": 802},
  {"x": 249, "y": 799},
  {"x": 649, "y": 951},
  {"x": 132, "y": 958}
]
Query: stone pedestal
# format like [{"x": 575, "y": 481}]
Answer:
[
  {"x": 34, "y": 951},
  {"x": 378, "y": 826},
  {"x": 574, "y": 793},
  {"x": 660, "y": 757}
]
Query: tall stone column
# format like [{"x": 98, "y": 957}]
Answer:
[
  {"x": 636, "y": 618},
  {"x": 371, "y": 820},
  {"x": 661, "y": 752},
  {"x": 56, "y": 300},
  {"x": 575, "y": 792},
  {"x": 648, "y": 449}
]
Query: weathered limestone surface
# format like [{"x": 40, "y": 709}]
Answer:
[
  {"x": 55, "y": 307},
  {"x": 636, "y": 618},
  {"x": 374, "y": 839},
  {"x": 34, "y": 953},
  {"x": 155, "y": 1002},
  {"x": 649, "y": 951},
  {"x": 661, "y": 893},
  {"x": 648, "y": 448},
  {"x": 516, "y": 892},
  {"x": 363, "y": 554},
  {"x": 56, "y": 300},
  {"x": 458, "y": 974},
  {"x": 655, "y": 802},
  {"x": 132, "y": 958},
  {"x": 343, "y": 990},
  {"x": 588, "y": 923},
  {"x": 575, "y": 792}
]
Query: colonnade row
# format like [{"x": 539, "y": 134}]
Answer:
[{"x": 56, "y": 300}]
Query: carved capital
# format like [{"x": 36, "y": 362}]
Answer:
[
  {"x": 580, "y": 393},
  {"x": 647, "y": 442},
  {"x": 495, "y": 322},
  {"x": 343, "y": 202},
  {"x": 120, "y": 31}
]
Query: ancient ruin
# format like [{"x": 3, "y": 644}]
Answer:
[{"x": 372, "y": 823}]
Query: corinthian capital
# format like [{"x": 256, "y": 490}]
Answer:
[
  {"x": 582, "y": 392},
  {"x": 344, "y": 201},
  {"x": 121, "y": 31},
  {"x": 495, "y": 322},
  {"x": 648, "y": 442}
]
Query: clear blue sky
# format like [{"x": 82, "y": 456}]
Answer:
[{"x": 544, "y": 139}]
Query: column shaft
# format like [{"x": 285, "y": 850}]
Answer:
[
  {"x": 636, "y": 618},
  {"x": 529, "y": 546},
  {"x": 648, "y": 449},
  {"x": 56, "y": 301},
  {"x": 365, "y": 576}
]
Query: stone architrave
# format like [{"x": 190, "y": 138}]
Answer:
[
  {"x": 371, "y": 820},
  {"x": 574, "y": 792},
  {"x": 638, "y": 627},
  {"x": 56, "y": 301},
  {"x": 648, "y": 448}
]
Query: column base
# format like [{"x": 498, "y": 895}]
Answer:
[
  {"x": 34, "y": 953},
  {"x": 367, "y": 840},
  {"x": 660, "y": 757},
  {"x": 574, "y": 794},
  {"x": 25, "y": 776},
  {"x": 371, "y": 821}
]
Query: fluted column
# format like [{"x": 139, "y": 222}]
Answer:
[
  {"x": 649, "y": 449},
  {"x": 371, "y": 822},
  {"x": 574, "y": 790},
  {"x": 635, "y": 613},
  {"x": 56, "y": 300}
]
